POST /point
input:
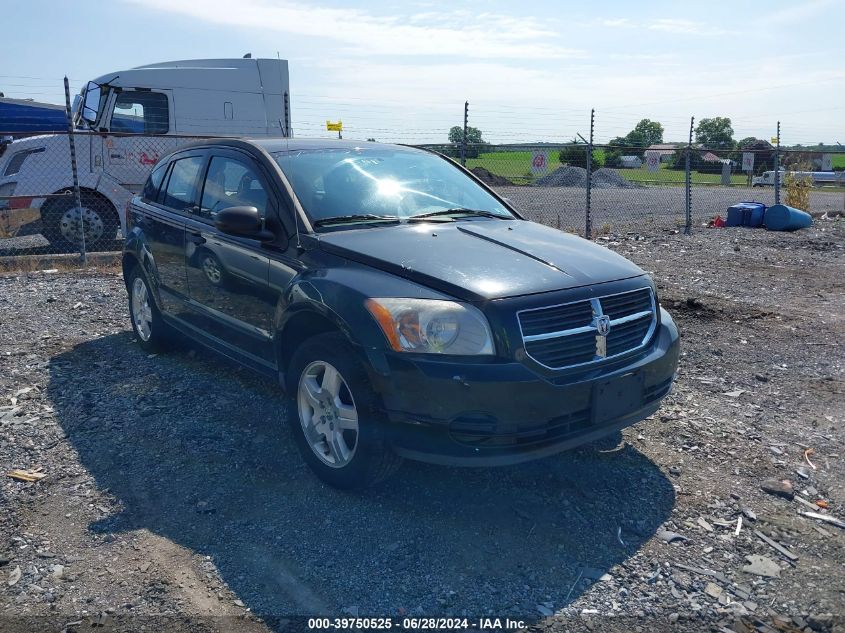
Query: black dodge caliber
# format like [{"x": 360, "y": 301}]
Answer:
[{"x": 406, "y": 308}]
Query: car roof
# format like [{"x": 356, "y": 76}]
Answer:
[{"x": 281, "y": 144}]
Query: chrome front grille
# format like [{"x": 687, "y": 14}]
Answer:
[{"x": 568, "y": 335}]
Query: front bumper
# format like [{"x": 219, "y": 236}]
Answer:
[{"x": 503, "y": 413}]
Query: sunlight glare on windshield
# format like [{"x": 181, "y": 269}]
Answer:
[{"x": 388, "y": 187}]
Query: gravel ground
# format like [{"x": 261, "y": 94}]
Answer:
[
  {"x": 173, "y": 496},
  {"x": 643, "y": 209}
]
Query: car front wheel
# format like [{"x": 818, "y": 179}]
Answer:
[{"x": 336, "y": 419}]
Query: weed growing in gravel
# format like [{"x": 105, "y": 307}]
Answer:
[{"x": 798, "y": 189}]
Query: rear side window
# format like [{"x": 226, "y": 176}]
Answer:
[
  {"x": 231, "y": 183},
  {"x": 140, "y": 112},
  {"x": 154, "y": 182},
  {"x": 181, "y": 190}
]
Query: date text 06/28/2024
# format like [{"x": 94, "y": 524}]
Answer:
[{"x": 415, "y": 623}]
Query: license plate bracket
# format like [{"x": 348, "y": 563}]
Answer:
[{"x": 617, "y": 397}]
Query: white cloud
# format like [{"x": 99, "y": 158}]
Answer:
[
  {"x": 617, "y": 22},
  {"x": 452, "y": 33},
  {"x": 796, "y": 12},
  {"x": 682, "y": 26},
  {"x": 677, "y": 26}
]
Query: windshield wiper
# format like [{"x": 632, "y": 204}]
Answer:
[
  {"x": 461, "y": 211},
  {"x": 355, "y": 218}
]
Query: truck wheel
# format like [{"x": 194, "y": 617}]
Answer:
[
  {"x": 61, "y": 220},
  {"x": 147, "y": 324},
  {"x": 336, "y": 419}
]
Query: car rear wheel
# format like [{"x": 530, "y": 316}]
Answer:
[
  {"x": 147, "y": 324},
  {"x": 336, "y": 419}
]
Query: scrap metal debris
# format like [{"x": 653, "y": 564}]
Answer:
[{"x": 823, "y": 517}]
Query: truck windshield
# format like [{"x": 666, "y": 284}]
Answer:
[{"x": 388, "y": 183}]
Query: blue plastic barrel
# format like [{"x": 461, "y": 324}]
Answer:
[{"x": 783, "y": 218}]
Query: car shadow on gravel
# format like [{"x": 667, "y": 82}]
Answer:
[{"x": 196, "y": 450}]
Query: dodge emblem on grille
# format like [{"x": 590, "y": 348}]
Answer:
[{"x": 603, "y": 325}]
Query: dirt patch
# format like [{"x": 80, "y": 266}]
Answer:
[{"x": 490, "y": 178}]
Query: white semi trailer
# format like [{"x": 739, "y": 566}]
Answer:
[{"x": 125, "y": 121}]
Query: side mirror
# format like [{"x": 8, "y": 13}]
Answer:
[{"x": 243, "y": 222}]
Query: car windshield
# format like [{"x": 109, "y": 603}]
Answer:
[{"x": 361, "y": 185}]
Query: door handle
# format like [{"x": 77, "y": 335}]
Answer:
[{"x": 196, "y": 238}]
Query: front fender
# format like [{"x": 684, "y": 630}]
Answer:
[
  {"x": 338, "y": 293},
  {"x": 341, "y": 306}
]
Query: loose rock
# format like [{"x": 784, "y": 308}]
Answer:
[
  {"x": 761, "y": 566},
  {"x": 778, "y": 488}
]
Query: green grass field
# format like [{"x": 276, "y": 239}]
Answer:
[
  {"x": 516, "y": 166},
  {"x": 838, "y": 160}
]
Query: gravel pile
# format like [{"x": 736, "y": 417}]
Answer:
[
  {"x": 608, "y": 178},
  {"x": 168, "y": 486},
  {"x": 577, "y": 177}
]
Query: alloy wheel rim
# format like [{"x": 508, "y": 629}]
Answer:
[
  {"x": 328, "y": 414},
  {"x": 142, "y": 313},
  {"x": 70, "y": 221}
]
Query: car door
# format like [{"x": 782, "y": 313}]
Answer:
[
  {"x": 228, "y": 275},
  {"x": 163, "y": 224}
]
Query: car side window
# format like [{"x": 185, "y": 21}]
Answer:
[
  {"x": 153, "y": 183},
  {"x": 181, "y": 190},
  {"x": 231, "y": 183}
]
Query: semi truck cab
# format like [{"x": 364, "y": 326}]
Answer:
[{"x": 125, "y": 121}]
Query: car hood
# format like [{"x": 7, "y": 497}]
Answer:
[{"x": 482, "y": 259}]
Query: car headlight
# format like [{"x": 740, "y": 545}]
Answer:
[
  {"x": 431, "y": 326},
  {"x": 7, "y": 189}
]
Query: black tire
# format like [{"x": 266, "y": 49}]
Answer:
[
  {"x": 104, "y": 222},
  {"x": 159, "y": 334},
  {"x": 373, "y": 459}
]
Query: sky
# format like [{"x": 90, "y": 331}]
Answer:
[{"x": 531, "y": 71}]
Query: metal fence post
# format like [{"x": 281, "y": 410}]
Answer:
[
  {"x": 464, "y": 138},
  {"x": 688, "y": 181},
  {"x": 777, "y": 166},
  {"x": 287, "y": 115},
  {"x": 588, "y": 229},
  {"x": 76, "y": 192}
]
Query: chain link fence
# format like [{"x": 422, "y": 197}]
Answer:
[
  {"x": 588, "y": 189},
  {"x": 642, "y": 190},
  {"x": 39, "y": 208}
]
